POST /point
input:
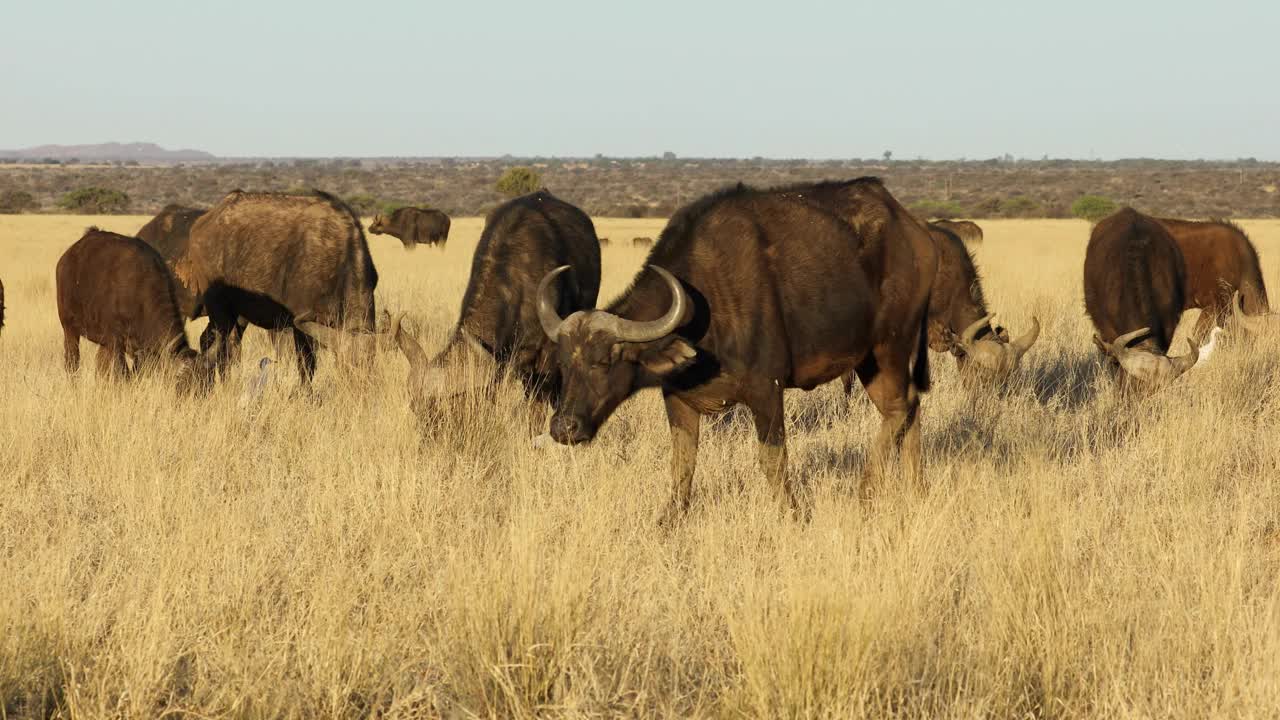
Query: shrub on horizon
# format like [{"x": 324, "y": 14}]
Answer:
[
  {"x": 95, "y": 201},
  {"x": 1093, "y": 207},
  {"x": 518, "y": 180}
]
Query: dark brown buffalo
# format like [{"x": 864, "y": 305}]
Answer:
[
  {"x": 747, "y": 293},
  {"x": 169, "y": 232},
  {"x": 413, "y": 226},
  {"x": 283, "y": 262},
  {"x": 967, "y": 230},
  {"x": 959, "y": 321},
  {"x": 641, "y": 242},
  {"x": 1221, "y": 261},
  {"x": 1134, "y": 291},
  {"x": 523, "y": 239},
  {"x": 118, "y": 292}
]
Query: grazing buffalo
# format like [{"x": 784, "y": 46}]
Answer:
[
  {"x": 641, "y": 242},
  {"x": 967, "y": 230},
  {"x": 169, "y": 233},
  {"x": 523, "y": 239},
  {"x": 413, "y": 226},
  {"x": 1134, "y": 291},
  {"x": 273, "y": 259},
  {"x": 118, "y": 292},
  {"x": 747, "y": 293},
  {"x": 1221, "y": 261},
  {"x": 959, "y": 321}
]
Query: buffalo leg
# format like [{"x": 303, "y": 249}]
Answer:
[
  {"x": 70, "y": 350},
  {"x": 219, "y": 333},
  {"x": 305, "y": 351},
  {"x": 685, "y": 425},
  {"x": 892, "y": 392},
  {"x": 771, "y": 432},
  {"x": 111, "y": 362}
]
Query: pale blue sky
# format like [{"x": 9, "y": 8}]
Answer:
[{"x": 778, "y": 79}]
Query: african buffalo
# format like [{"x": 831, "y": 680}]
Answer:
[
  {"x": 1134, "y": 290},
  {"x": 169, "y": 232},
  {"x": 959, "y": 321},
  {"x": 523, "y": 239},
  {"x": 274, "y": 259},
  {"x": 118, "y": 292},
  {"x": 747, "y": 293},
  {"x": 1221, "y": 261},
  {"x": 967, "y": 230},
  {"x": 413, "y": 226}
]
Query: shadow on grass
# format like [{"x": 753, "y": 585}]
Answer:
[{"x": 1067, "y": 382}]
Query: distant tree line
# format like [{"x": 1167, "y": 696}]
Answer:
[{"x": 656, "y": 186}]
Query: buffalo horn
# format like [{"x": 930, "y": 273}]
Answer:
[
  {"x": 966, "y": 337},
  {"x": 1252, "y": 323},
  {"x": 638, "y": 331},
  {"x": 547, "y": 313},
  {"x": 1023, "y": 344}
]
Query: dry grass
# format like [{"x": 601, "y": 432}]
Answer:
[{"x": 1075, "y": 555}]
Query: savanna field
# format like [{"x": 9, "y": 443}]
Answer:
[{"x": 1077, "y": 554}]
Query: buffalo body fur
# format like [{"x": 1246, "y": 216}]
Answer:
[
  {"x": 523, "y": 239},
  {"x": 269, "y": 259},
  {"x": 117, "y": 292}
]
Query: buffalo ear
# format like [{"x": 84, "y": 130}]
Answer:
[{"x": 664, "y": 356}]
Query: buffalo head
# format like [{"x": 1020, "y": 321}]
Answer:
[
  {"x": 993, "y": 354},
  {"x": 1150, "y": 369},
  {"x": 432, "y": 385},
  {"x": 603, "y": 358},
  {"x": 197, "y": 371},
  {"x": 363, "y": 345}
]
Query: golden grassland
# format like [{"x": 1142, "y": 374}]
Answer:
[{"x": 1076, "y": 554}]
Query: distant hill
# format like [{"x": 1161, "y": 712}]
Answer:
[{"x": 108, "y": 152}]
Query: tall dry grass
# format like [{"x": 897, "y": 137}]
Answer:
[{"x": 1076, "y": 554}]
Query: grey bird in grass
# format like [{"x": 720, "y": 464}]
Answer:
[{"x": 253, "y": 389}]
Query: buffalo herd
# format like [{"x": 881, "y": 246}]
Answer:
[{"x": 745, "y": 293}]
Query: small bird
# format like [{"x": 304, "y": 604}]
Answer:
[
  {"x": 1207, "y": 349},
  {"x": 254, "y": 388}
]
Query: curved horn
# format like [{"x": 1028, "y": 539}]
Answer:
[
  {"x": 1120, "y": 345},
  {"x": 410, "y": 347},
  {"x": 966, "y": 337},
  {"x": 1251, "y": 323},
  {"x": 323, "y": 334},
  {"x": 1183, "y": 363},
  {"x": 637, "y": 331},
  {"x": 1022, "y": 344},
  {"x": 547, "y": 313}
]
